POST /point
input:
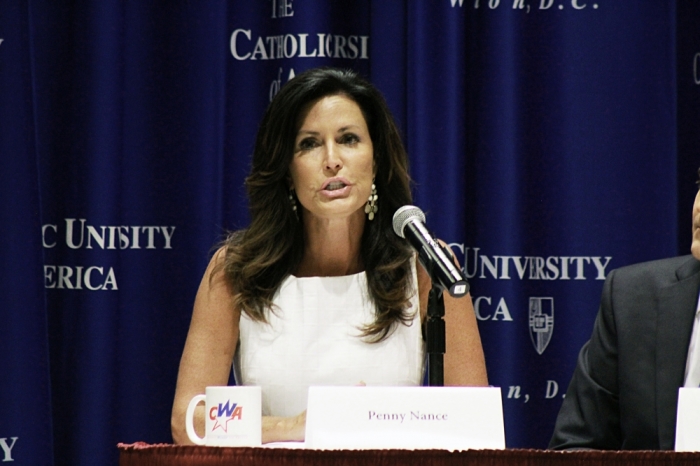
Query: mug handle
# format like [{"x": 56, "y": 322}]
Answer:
[{"x": 189, "y": 420}]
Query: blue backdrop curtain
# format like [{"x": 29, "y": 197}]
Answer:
[
  {"x": 550, "y": 142},
  {"x": 25, "y": 388}
]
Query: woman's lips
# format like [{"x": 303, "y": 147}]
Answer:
[
  {"x": 335, "y": 185},
  {"x": 335, "y": 188},
  {"x": 336, "y": 182}
]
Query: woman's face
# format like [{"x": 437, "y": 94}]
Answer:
[{"x": 333, "y": 164}]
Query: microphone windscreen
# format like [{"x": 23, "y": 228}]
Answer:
[{"x": 404, "y": 215}]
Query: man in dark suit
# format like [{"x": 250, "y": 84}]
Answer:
[{"x": 624, "y": 391}]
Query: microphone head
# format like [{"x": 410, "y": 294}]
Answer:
[{"x": 404, "y": 215}]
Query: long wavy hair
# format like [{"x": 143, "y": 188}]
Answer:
[{"x": 261, "y": 256}]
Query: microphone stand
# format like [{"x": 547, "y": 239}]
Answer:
[{"x": 435, "y": 332}]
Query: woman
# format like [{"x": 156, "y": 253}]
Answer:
[{"x": 319, "y": 289}]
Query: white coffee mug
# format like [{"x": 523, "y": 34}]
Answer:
[{"x": 233, "y": 417}]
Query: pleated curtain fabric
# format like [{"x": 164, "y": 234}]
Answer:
[{"x": 549, "y": 142}]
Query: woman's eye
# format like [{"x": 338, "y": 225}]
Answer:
[
  {"x": 307, "y": 144},
  {"x": 350, "y": 138}
]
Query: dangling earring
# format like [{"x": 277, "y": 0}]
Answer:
[
  {"x": 293, "y": 202},
  {"x": 371, "y": 206}
]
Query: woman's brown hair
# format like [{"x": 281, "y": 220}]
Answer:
[{"x": 260, "y": 257}]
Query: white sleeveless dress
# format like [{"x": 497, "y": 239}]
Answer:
[{"x": 313, "y": 338}]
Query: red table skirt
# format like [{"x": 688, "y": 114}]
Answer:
[{"x": 142, "y": 454}]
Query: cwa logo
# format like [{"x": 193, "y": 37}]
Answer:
[
  {"x": 225, "y": 413},
  {"x": 541, "y": 322},
  {"x": 7, "y": 449}
]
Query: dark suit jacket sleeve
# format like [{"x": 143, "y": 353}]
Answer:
[{"x": 590, "y": 414}]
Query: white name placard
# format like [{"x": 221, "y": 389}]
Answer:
[
  {"x": 688, "y": 419},
  {"x": 449, "y": 418}
]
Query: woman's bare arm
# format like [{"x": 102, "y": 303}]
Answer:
[
  {"x": 464, "y": 363},
  {"x": 208, "y": 355},
  {"x": 209, "y": 348}
]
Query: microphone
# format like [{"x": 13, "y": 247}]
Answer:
[{"x": 409, "y": 223}]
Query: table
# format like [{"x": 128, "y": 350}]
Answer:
[{"x": 143, "y": 454}]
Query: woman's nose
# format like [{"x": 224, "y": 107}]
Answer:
[{"x": 333, "y": 160}]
